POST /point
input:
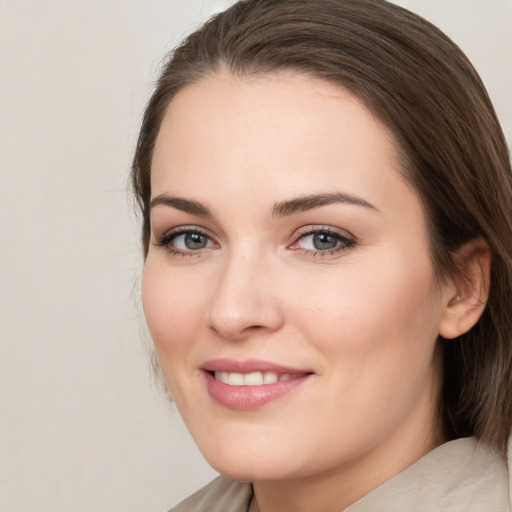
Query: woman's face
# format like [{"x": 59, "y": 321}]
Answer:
[{"x": 288, "y": 286}]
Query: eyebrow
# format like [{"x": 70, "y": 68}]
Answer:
[
  {"x": 185, "y": 205},
  {"x": 304, "y": 203},
  {"x": 281, "y": 209}
]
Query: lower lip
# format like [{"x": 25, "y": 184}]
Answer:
[{"x": 250, "y": 397}]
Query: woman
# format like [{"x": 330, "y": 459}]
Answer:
[{"x": 326, "y": 195}]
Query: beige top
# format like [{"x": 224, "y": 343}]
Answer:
[{"x": 459, "y": 476}]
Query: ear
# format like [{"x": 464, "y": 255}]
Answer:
[{"x": 466, "y": 297}]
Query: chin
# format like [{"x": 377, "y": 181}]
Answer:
[
  {"x": 249, "y": 470},
  {"x": 250, "y": 462}
]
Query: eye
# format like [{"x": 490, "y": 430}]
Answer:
[
  {"x": 190, "y": 241},
  {"x": 322, "y": 241},
  {"x": 185, "y": 241},
  {"x": 319, "y": 241}
]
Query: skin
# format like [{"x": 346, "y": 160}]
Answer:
[{"x": 363, "y": 318}]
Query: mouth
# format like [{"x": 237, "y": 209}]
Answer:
[
  {"x": 254, "y": 378},
  {"x": 250, "y": 384}
]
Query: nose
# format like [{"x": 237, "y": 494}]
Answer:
[{"x": 244, "y": 301}]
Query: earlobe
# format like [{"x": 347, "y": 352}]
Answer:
[{"x": 467, "y": 298}]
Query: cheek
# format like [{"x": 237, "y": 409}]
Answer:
[
  {"x": 173, "y": 309},
  {"x": 373, "y": 307},
  {"x": 377, "y": 330}
]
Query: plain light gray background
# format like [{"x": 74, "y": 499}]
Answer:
[{"x": 82, "y": 425}]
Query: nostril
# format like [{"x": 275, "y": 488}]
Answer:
[{"x": 253, "y": 328}]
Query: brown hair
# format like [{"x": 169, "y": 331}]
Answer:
[{"x": 419, "y": 83}]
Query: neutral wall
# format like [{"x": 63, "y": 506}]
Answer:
[{"x": 82, "y": 426}]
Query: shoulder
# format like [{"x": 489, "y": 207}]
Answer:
[
  {"x": 221, "y": 495},
  {"x": 460, "y": 476}
]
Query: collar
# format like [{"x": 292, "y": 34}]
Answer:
[{"x": 459, "y": 476}]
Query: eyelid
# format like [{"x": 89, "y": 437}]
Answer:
[
  {"x": 164, "y": 240},
  {"x": 346, "y": 239},
  {"x": 314, "y": 228}
]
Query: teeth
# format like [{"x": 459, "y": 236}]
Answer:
[
  {"x": 270, "y": 378},
  {"x": 253, "y": 378},
  {"x": 236, "y": 379},
  {"x": 222, "y": 376}
]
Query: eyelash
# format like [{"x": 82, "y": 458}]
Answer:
[
  {"x": 344, "y": 242},
  {"x": 167, "y": 238}
]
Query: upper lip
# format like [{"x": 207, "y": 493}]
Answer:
[{"x": 248, "y": 366}]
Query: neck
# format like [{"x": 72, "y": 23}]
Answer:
[{"x": 331, "y": 491}]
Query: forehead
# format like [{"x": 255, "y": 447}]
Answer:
[{"x": 284, "y": 134}]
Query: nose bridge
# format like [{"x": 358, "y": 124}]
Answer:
[{"x": 244, "y": 299}]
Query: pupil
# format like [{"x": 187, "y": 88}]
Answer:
[
  {"x": 323, "y": 241},
  {"x": 195, "y": 241}
]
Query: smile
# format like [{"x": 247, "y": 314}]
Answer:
[
  {"x": 254, "y": 378},
  {"x": 246, "y": 385}
]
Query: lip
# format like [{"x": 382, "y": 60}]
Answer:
[
  {"x": 250, "y": 397},
  {"x": 248, "y": 366}
]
